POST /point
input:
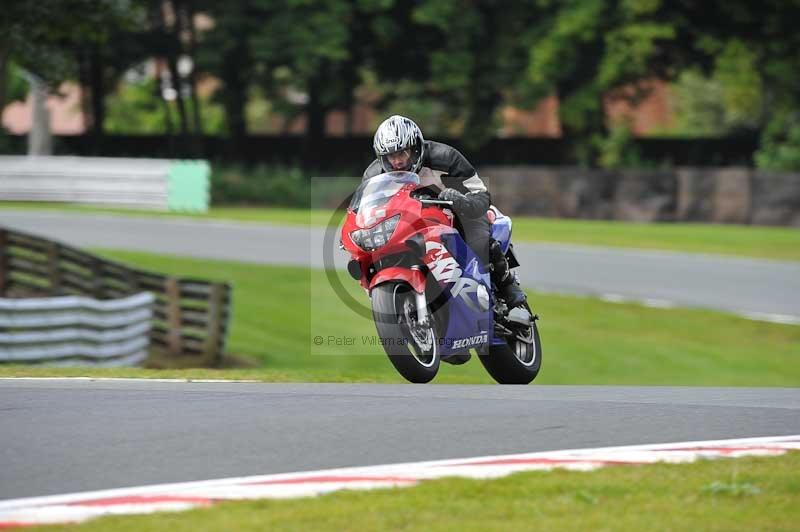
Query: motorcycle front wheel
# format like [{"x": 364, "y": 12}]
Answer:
[{"x": 412, "y": 347}]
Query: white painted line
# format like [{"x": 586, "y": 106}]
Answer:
[
  {"x": 784, "y": 319},
  {"x": 119, "y": 379},
  {"x": 658, "y": 303},
  {"x": 614, "y": 298},
  {"x": 79, "y": 507},
  {"x": 222, "y": 380},
  {"x": 591, "y": 249}
]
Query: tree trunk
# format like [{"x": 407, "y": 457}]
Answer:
[
  {"x": 236, "y": 68},
  {"x": 3, "y": 81},
  {"x": 483, "y": 96},
  {"x": 98, "y": 97},
  {"x": 579, "y": 138},
  {"x": 234, "y": 97},
  {"x": 167, "y": 111},
  {"x": 172, "y": 62},
  {"x": 83, "y": 79},
  {"x": 40, "y": 141},
  {"x": 581, "y": 124},
  {"x": 481, "y": 118},
  {"x": 188, "y": 23},
  {"x": 172, "y": 51},
  {"x": 350, "y": 76},
  {"x": 315, "y": 120}
]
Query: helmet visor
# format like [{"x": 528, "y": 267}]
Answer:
[{"x": 398, "y": 160}]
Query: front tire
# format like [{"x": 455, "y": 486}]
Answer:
[
  {"x": 412, "y": 348},
  {"x": 518, "y": 361}
]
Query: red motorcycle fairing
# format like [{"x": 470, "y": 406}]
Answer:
[
  {"x": 414, "y": 277},
  {"x": 415, "y": 219}
]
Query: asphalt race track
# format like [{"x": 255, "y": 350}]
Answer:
[
  {"x": 64, "y": 436},
  {"x": 75, "y": 435},
  {"x": 763, "y": 289}
]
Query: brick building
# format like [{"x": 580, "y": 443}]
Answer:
[{"x": 653, "y": 114}]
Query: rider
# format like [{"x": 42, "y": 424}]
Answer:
[{"x": 399, "y": 145}]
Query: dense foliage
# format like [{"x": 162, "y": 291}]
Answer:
[{"x": 734, "y": 64}]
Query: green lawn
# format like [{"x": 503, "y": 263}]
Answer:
[
  {"x": 743, "y": 494},
  {"x": 746, "y": 240},
  {"x": 781, "y": 243},
  {"x": 275, "y": 215},
  {"x": 279, "y": 310}
]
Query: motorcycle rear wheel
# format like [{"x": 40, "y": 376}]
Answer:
[{"x": 412, "y": 348}]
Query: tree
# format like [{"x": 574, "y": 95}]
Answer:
[
  {"x": 476, "y": 57},
  {"x": 44, "y": 37},
  {"x": 752, "y": 54},
  {"x": 302, "y": 46},
  {"x": 583, "y": 49},
  {"x": 101, "y": 63}
]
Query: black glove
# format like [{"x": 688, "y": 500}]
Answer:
[
  {"x": 451, "y": 194},
  {"x": 473, "y": 205}
]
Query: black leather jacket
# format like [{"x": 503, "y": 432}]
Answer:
[{"x": 455, "y": 171}]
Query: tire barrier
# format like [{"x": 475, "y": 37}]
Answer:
[
  {"x": 189, "y": 316},
  {"x": 76, "y": 330}
]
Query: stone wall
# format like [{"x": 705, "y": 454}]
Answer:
[{"x": 719, "y": 195}]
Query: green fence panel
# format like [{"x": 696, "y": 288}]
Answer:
[{"x": 189, "y": 186}]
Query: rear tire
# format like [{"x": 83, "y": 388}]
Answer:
[
  {"x": 516, "y": 361},
  {"x": 413, "y": 349}
]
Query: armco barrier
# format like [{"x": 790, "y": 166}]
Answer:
[
  {"x": 190, "y": 316},
  {"x": 159, "y": 184},
  {"x": 70, "y": 330}
]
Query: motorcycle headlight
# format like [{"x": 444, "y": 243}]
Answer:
[{"x": 375, "y": 237}]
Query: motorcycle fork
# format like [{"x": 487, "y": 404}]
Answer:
[
  {"x": 422, "y": 304},
  {"x": 422, "y": 308}
]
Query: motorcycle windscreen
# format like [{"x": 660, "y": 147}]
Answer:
[{"x": 374, "y": 193}]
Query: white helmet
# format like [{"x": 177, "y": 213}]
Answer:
[{"x": 398, "y": 133}]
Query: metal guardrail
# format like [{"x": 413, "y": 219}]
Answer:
[
  {"x": 190, "y": 316},
  {"x": 159, "y": 184},
  {"x": 75, "y": 329}
]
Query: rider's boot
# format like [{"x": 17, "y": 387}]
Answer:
[{"x": 502, "y": 277}]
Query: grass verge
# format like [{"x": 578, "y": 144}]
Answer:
[
  {"x": 278, "y": 312},
  {"x": 781, "y": 243},
  {"x": 741, "y": 494},
  {"x": 274, "y": 215}
]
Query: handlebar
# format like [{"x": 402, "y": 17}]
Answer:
[{"x": 436, "y": 202}]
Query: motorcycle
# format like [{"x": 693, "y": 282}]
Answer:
[{"x": 432, "y": 298}]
